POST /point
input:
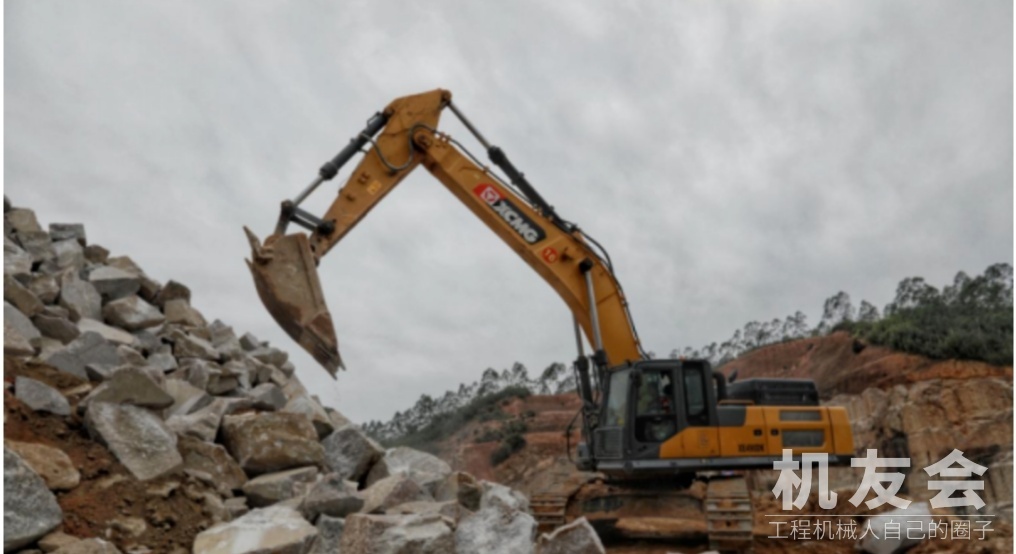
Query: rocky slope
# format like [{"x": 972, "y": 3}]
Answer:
[{"x": 131, "y": 424}]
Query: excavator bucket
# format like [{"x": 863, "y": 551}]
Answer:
[{"x": 286, "y": 277}]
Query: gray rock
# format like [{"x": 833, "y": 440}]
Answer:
[
  {"x": 180, "y": 312},
  {"x": 89, "y": 348},
  {"x": 68, "y": 254},
  {"x": 212, "y": 459},
  {"x": 66, "y": 231},
  {"x": 578, "y": 537},
  {"x": 190, "y": 346},
  {"x": 132, "y": 313},
  {"x": 136, "y": 436},
  {"x": 16, "y": 261},
  {"x": 162, "y": 360},
  {"x": 20, "y": 297},
  {"x": 331, "y": 496},
  {"x": 272, "y": 530},
  {"x": 221, "y": 383},
  {"x": 113, "y": 283},
  {"x": 269, "y": 355},
  {"x": 338, "y": 420},
  {"x": 96, "y": 254},
  {"x": 267, "y": 442},
  {"x": 55, "y": 327},
  {"x": 236, "y": 507},
  {"x": 37, "y": 245},
  {"x": 131, "y": 356},
  {"x": 187, "y": 398},
  {"x": 22, "y": 220},
  {"x": 426, "y": 469},
  {"x": 303, "y": 404},
  {"x": 173, "y": 291},
  {"x": 496, "y": 530},
  {"x": 125, "y": 263},
  {"x": 268, "y": 396},
  {"x": 14, "y": 318},
  {"x": 329, "y": 535},
  {"x": 131, "y": 385},
  {"x": 30, "y": 509},
  {"x": 496, "y": 494},
  {"x": 351, "y": 453},
  {"x": 224, "y": 340},
  {"x": 108, "y": 332},
  {"x": 79, "y": 297},
  {"x": 275, "y": 487},
  {"x": 196, "y": 372},
  {"x": 45, "y": 288},
  {"x": 40, "y": 397},
  {"x": 15, "y": 344},
  {"x": 462, "y": 488},
  {"x": 249, "y": 342},
  {"x": 202, "y": 424},
  {"x": 392, "y": 491},
  {"x": 397, "y": 534}
]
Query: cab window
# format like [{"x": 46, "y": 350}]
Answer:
[
  {"x": 695, "y": 397},
  {"x": 617, "y": 399}
]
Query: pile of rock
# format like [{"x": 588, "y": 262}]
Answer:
[{"x": 170, "y": 394}]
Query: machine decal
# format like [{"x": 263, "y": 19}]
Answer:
[
  {"x": 525, "y": 227},
  {"x": 549, "y": 255}
]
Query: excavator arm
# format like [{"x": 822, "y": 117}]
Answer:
[{"x": 407, "y": 136}]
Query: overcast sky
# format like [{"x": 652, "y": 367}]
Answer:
[{"x": 739, "y": 160}]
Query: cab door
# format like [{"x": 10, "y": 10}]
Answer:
[{"x": 698, "y": 436}]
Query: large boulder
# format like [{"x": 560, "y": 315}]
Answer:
[
  {"x": 462, "y": 488},
  {"x": 497, "y": 529},
  {"x": 21, "y": 297},
  {"x": 213, "y": 460},
  {"x": 40, "y": 397},
  {"x": 22, "y": 220},
  {"x": 136, "y": 436},
  {"x": 16, "y": 260},
  {"x": 52, "y": 464},
  {"x": 351, "y": 453},
  {"x": 272, "y": 530},
  {"x": 79, "y": 297},
  {"x": 131, "y": 385},
  {"x": 269, "y": 442},
  {"x": 89, "y": 348},
  {"x": 329, "y": 535},
  {"x": 56, "y": 327},
  {"x": 578, "y": 537},
  {"x": 426, "y": 469},
  {"x": 132, "y": 313},
  {"x": 30, "y": 509},
  {"x": 68, "y": 254},
  {"x": 392, "y": 491},
  {"x": 113, "y": 283},
  {"x": 496, "y": 494},
  {"x": 333, "y": 497},
  {"x": 38, "y": 245},
  {"x": 19, "y": 321},
  {"x": 270, "y": 488},
  {"x": 202, "y": 424},
  {"x": 397, "y": 534}
]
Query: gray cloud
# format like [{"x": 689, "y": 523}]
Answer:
[{"x": 740, "y": 160}]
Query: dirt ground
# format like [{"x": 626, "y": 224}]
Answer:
[{"x": 163, "y": 514}]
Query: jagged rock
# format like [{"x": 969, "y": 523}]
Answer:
[
  {"x": 68, "y": 254},
  {"x": 162, "y": 360},
  {"x": 149, "y": 289},
  {"x": 113, "y": 283},
  {"x": 20, "y": 297},
  {"x": 329, "y": 535},
  {"x": 132, "y": 313},
  {"x": 30, "y": 509},
  {"x": 578, "y": 537},
  {"x": 66, "y": 231},
  {"x": 126, "y": 264},
  {"x": 56, "y": 540},
  {"x": 496, "y": 494},
  {"x": 55, "y": 327},
  {"x": 268, "y": 396},
  {"x": 16, "y": 261},
  {"x": 40, "y": 397},
  {"x": 331, "y": 496},
  {"x": 426, "y": 469},
  {"x": 496, "y": 529},
  {"x": 392, "y": 491},
  {"x": 79, "y": 297},
  {"x": 397, "y": 534},
  {"x": 914, "y": 518},
  {"x": 110, "y": 333},
  {"x": 351, "y": 453},
  {"x": 338, "y": 420},
  {"x": 313, "y": 411},
  {"x": 131, "y": 385},
  {"x": 89, "y": 348},
  {"x": 44, "y": 287},
  {"x": 197, "y": 372},
  {"x": 221, "y": 383},
  {"x": 268, "y": 442},
  {"x": 96, "y": 254},
  {"x": 272, "y": 530},
  {"x": 202, "y": 424},
  {"x": 180, "y": 312},
  {"x": 187, "y": 398},
  {"x": 236, "y": 507},
  {"x": 14, "y": 318},
  {"x": 190, "y": 346},
  {"x": 269, "y": 355},
  {"x": 451, "y": 509},
  {"x": 88, "y": 546},
  {"x": 249, "y": 342},
  {"x": 462, "y": 488},
  {"x": 22, "y": 219},
  {"x": 212, "y": 459},
  {"x": 136, "y": 436},
  {"x": 224, "y": 339},
  {"x": 131, "y": 356},
  {"x": 37, "y": 244},
  {"x": 50, "y": 463},
  {"x": 15, "y": 344},
  {"x": 173, "y": 290},
  {"x": 270, "y": 488}
]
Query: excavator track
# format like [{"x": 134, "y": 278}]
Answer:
[
  {"x": 729, "y": 519},
  {"x": 549, "y": 511}
]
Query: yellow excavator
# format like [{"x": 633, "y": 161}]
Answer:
[{"x": 649, "y": 427}]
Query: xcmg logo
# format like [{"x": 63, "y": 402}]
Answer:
[{"x": 525, "y": 227}]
